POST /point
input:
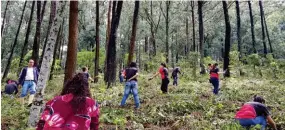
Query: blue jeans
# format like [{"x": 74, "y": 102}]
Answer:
[
  {"x": 252, "y": 122},
  {"x": 131, "y": 86},
  {"x": 175, "y": 80},
  {"x": 28, "y": 85},
  {"x": 121, "y": 79},
  {"x": 215, "y": 82}
]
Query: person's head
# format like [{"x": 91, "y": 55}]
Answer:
[
  {"x": 216, "y": 65},
  {"x": 78, "y": 86},
  {"x": 163, "y": 65},
  {"x": 85, "y": 69},
  {"x": 133, "y": 64},
  {"x": 209, "y": 65},
  {"x": 31, "y": 63},
  {"x": 258, "y": 99}
]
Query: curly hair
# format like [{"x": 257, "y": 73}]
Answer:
[{"x": 78, "y": 86}]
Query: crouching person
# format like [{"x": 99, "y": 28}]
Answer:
[
  {"x": 131, "y": 74},
  {"x": 254, "y": 113}
]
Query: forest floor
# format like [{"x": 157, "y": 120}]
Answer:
[{"x": 189, "y": 106}]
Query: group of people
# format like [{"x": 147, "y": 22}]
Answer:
[{"x": 75, "y": 109}]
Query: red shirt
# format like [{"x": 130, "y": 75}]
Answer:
[
  {"x": 163, "y": 72},
  {"x": 58, "y": 115},
  {"x": 214, "y": 73}
]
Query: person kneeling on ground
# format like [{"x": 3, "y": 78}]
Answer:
[
  {"x": 131, "y": 75},
  {"x": 253, "y": 113},
  {"x": 11, "y": 87},
  {"x": 73, "y": 109}
]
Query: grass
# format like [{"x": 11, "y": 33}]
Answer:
[{"x": 190, "y": 105}]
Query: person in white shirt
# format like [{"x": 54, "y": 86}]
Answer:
[{"x": 28, "y": 79}]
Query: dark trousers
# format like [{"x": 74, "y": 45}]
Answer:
[
  {"x": 215, "y": 82},
  {"x": 164, "y": 85},
  {"x": 175, "y": 80}
]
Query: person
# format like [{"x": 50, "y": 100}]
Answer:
[
  {"x": 87, "y": 75},
  {"x": 253, "y": 113},
  {"x": 164, "y": 77},
  {"x": 131, "y": 86},
  {"x": 174, "y": 75},
  {"x": 121, "y": 75},
  {"x": 209, "y": 67},
  {"x": 73, "y": 109},
  {"x": 214, "y": 78},
  {"x": 11, "y": 87},
  {"x": 28, "y": 79}
]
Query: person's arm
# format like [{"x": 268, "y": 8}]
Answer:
[
  {"x": 94, "y": 124},
  {"x": 91, "y": 79},
  {"x": 271, "y": 122},
  {"x": 153, "y": 75},
  {"x": 136, "y": 75},
  {"x": 46, "y": 112},
  {"x": 21, "y": 78}
]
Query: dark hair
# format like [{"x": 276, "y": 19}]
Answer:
[
  {"x": 84, "y": 69},
  {"x": 133, "y": 64},
  {"x": 216, "y": 64},
  {"x": 163, "y": 64},
  {"x": 209, "y": 64},
  {"x": 78, "y": 86},
  {"x": 258, "y": 99}
]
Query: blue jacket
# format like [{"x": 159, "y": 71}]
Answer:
[{"x": 24, "y": 72}]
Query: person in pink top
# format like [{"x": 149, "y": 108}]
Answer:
[
  {"x": 74, "y": 109},
  {"x": 164, "y": 77}
]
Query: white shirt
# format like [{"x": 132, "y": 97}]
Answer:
[{"x": 30, "y": 74}]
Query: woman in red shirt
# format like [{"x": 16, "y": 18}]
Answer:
[
  {"x": 164, "y": 77},
  {"x": 73, "y": 109}
]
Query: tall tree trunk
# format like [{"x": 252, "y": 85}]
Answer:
[
  {"x": 51, "y": 17},
  {"x": 193, "y": 26},
  {"x": 24, "y": 48},
  {"x": 267, "y": 34},
  {"x": 238, "y": 29},
  {"x": 97, "y": 43},
  {"x": 152, "y": 31},
  {"x": 14, "y": 45},
  {"x": 176, "y": 48},
  {"x": 43, "y": 10},
  {"x": 146, "y": 50},
  {"x": 111, "y": 56},
  {"x": 227, "y": 40},
  {"x": 134, "y": 31},
  {"x": 71, "y": 57},
  {"x": 187, "y": 37},
  {"x": 43, "y": 76},
  {"x": 2, "y": 27},
  {"x": 58, "y": 39},
  {"x": 201, "y": 36},
  {"x": 166, "y": 32},
  {"x": 107, "y": 38},
  {"x": 262, "y": 27},
  {"x": 252, "y": 27},
  {"x": 36, "y": 45}
]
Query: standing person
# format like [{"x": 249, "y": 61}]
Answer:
[
  {"x": 131, "y": 75},
  {"x": 174, "y": 75},
  {"x": 73, "y": 109},
  {"x": 214, "y": 78},
  {"x": 87, "y": 75},
  {"x": 254, "y": 113},
  {"x": 28, "y": 79},
  {"x": 121, "y": 75},
  {"x": 164, "y": 77},
  {"x": 11, "y": 87}
]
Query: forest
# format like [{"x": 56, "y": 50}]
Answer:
[{"x": 245, "y": 38}]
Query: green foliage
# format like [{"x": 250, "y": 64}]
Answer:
[
  {"x": 253, "y": 59},
  {"x": 86, "y": 58}
]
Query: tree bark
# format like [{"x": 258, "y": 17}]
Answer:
[
  {"x": 2, "y": 27},
  {"x": 58, "y": 39},
  {"x": 43, "y": 11},
  {"x": 252, "y": 27},
  {"x": 193, "y": 26},
  {"x": 267, "y": 34},
  {"x": 97, "y": 44},
  {"x": 166, "y": 32},
  {"x": 201, "y": 36},
  {"x": 152, "y": 31},
  {"x": 36, "y": 45},
  {"x": 227, "y": 40},
  {"x": 24, "y": 48},
  {"x": 107, "y": 38},
  {"x": 262, "y": 27},
  {"x": 38, "y": 101},
  {"x": 51, "y": 17},
  {"x": 111, "y": 56},
  {"x": 14, "y": 45},
  {"x": 238, "y": 30},
  {"x": 72, "y": 41},
  {"x": 187, "y": 37},
  {"x": 134, "y": 30}
]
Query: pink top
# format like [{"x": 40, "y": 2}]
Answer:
[{"x": 58, "y": 115}]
